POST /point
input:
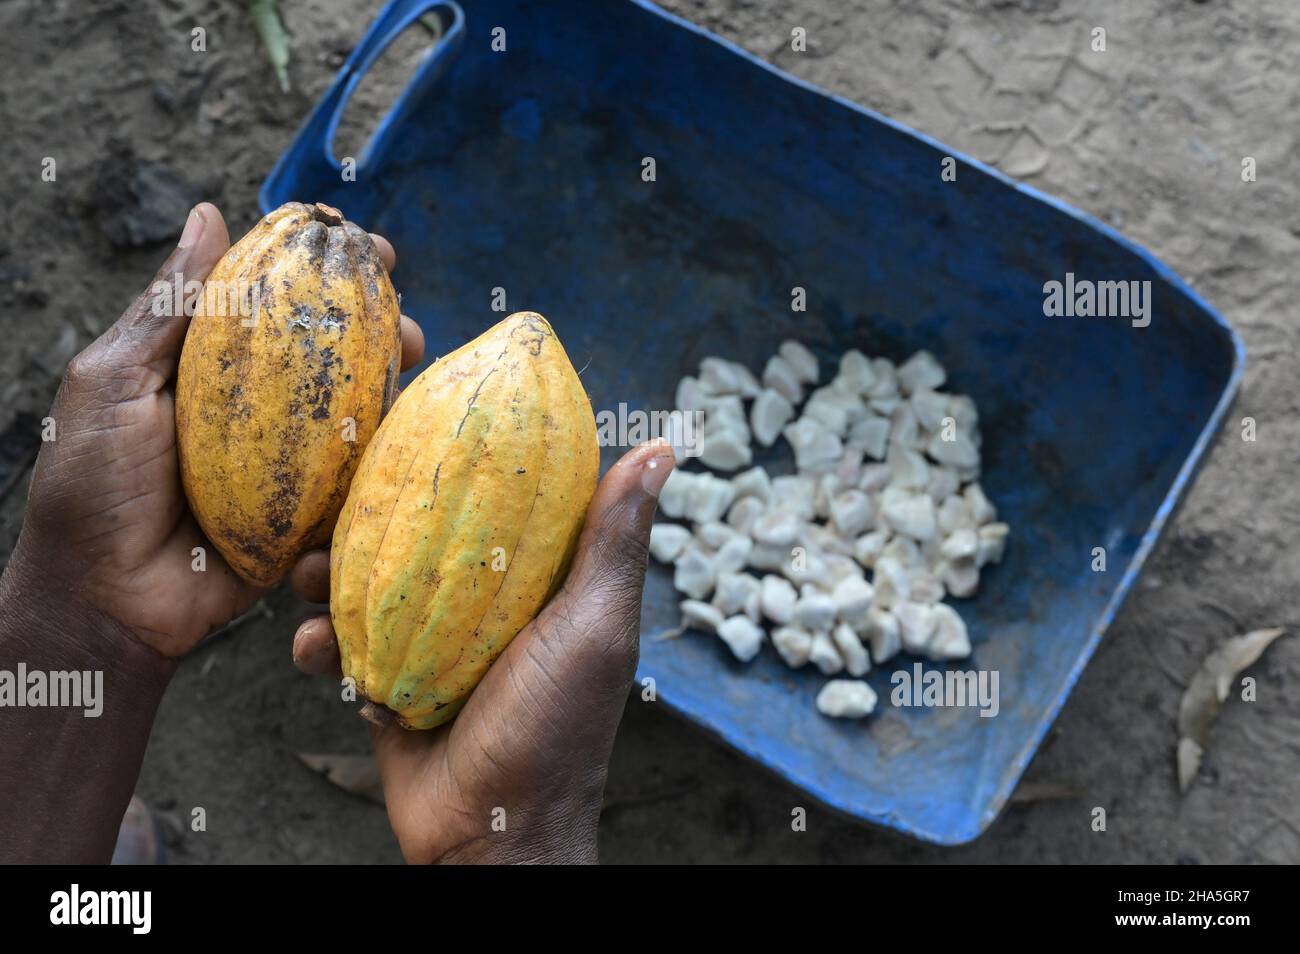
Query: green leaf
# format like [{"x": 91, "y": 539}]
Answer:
[{"x": 266, "y": 17}]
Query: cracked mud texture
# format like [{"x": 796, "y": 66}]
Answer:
[{"x": 1148, "y": 136}]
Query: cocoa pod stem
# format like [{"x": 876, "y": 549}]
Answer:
[{"x": 376, "y": 714}]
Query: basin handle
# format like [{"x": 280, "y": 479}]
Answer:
[{"x": 311, "y": 156}]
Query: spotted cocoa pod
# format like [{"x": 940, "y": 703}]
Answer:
[{"x": 289, "y": 364}]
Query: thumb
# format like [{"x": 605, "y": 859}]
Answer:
[
  {"x": 148, "y": 337},
  {"x": 563, "y": 681},
  {"x": 596, "y": 618}
]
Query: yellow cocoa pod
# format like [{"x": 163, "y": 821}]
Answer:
[
  {"x": 290, "y": 361},
  {"x": 462, "y": 519}
]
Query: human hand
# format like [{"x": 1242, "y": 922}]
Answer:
[
  {"x": 534, "y": 739},
  {"x": 107, "y": 527}
]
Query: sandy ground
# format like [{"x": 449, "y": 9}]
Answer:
[{"x": 1148, "y": 136}]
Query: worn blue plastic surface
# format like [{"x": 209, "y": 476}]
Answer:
[{"x": 522, "y": 170}]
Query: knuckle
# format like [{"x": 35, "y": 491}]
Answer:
[{"x": 82, "y": 367}]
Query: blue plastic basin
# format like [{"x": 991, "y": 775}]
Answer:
[{"x": 521, "y": 170}]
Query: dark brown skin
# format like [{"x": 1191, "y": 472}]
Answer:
[
  {"x": 101, "y": 579},
  {"x": 536, "y": 735}
]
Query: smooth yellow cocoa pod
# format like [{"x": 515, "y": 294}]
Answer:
[
  {"x": 289, "y": 364},
  {"x": 462, "y": 519}
]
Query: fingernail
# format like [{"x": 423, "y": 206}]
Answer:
[
  {"x": 193, "y": 229},
  {"x": 655, "y": 471}
]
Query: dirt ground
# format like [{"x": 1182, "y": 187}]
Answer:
[{"x": 1148, "y": 135}]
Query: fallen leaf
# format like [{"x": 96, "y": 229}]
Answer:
[
  {"x": 270, "y": 27},
  {"x": 1029, "y": 792},
  {"x": 1206, "y": 692},
  {"x": 357, "y": 774},
  {"x": 1189, "y": 762}
]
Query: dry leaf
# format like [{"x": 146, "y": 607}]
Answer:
[
  {"x": 1206, "y": 692},
  {"x": 1030, "y": 792},
  {"x": 1189, "y": 762},
  {"x": 357, "y": 774}
]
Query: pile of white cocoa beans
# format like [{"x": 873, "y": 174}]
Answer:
[{"x": 885, "y": 482}]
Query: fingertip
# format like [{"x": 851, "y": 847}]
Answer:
[
  {"x": 387, "y": 254},
  {"x": 616, "y": 536},
  {"x": 315, "y": 650},
  {"x": 310, "y": 577},
  {"x": 412, "y": 343},
  {"x": 645, "y": 467},
  {"x": 656, "y": 461},
  {"x": 206, "y": 238}
]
